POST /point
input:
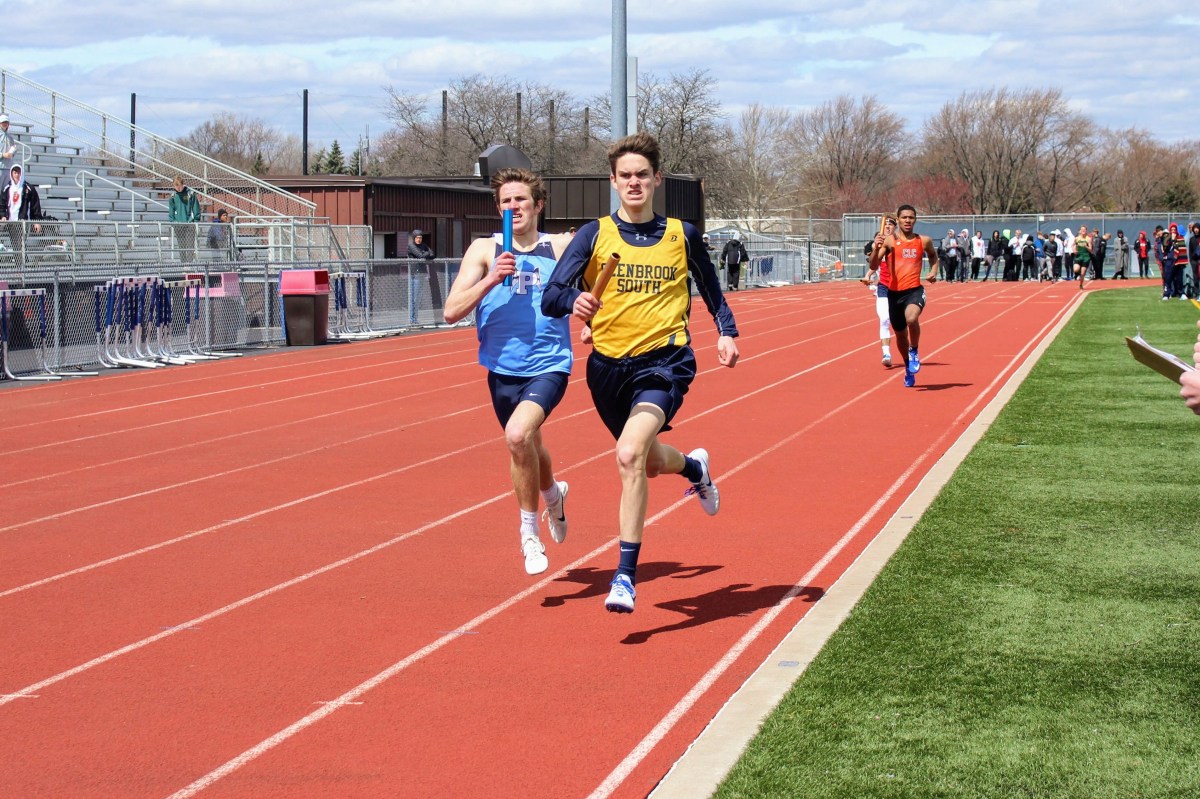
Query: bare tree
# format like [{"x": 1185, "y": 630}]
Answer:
[
  {"x": 757, "y": 175},
  {"x": 546, "y": 124},
  {"x": 850, "y": 148},
  {"x": 238, "y": 141},
  {"x": 996, "y": 140},
  {"x": 1139, "y": 169}
]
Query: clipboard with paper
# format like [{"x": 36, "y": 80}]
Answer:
[{"x": 1165, "y": 363}]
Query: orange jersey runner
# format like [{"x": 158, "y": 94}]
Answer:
[{"x": 906, "y": 258}]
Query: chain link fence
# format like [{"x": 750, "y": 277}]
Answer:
[{"x": 94, "y": 315}]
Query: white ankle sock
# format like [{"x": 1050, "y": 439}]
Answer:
[{"x": 529, "y": 524}]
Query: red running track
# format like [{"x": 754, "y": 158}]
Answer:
[{"x": 298, "y": 574}]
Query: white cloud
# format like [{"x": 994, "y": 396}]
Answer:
[{"x": 185, "y": 60}]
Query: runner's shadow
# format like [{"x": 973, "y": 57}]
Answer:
[
  {"x": 723, "y": 603},
  {"x": 595, "y": 581},
  {"x": 941, "y": 386}
]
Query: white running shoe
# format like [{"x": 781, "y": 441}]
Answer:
[
  {"x": 887, "y": 360},
  {"x": 556, "y": 515},
  {"x": 710, "y": 498},
  {"x": 620, "y": 595},
  {"x": 535, "y": 555}
]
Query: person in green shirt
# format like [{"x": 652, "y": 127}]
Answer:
[{"x": 183, "y": 212}]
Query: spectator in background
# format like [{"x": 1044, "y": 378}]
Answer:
[
  {"x": 1182, "y": 275},
  {"x": 1099, "y": 253},
  {"x": 1162, "y": 263},
  {"x": 1012, "y": 269},
  {"x": 1068, "y": 251},
  {"x": 995, "y": 255},
  {"x": 1193, "y": 245},
  {"x": 964, "y": 254},
  {"x": 219, "y": 235},
  {"x": 1122, "y": 248},
  {"x": 949, "y": 254},
  {"x": 732, "y": 257},
  {"x": 21, "y": 205},
  {"x": 1142, "y": 248},
  {"x": 1029, "y": 258},
  {"x": 8, "y": 148},
  {"x": 183, "y": 211},
  {"x": 978, "y": 253},
  {"x": 1053, "y": 256},
  {"x": 1166, "y": 249},
  {"x": 419, "y": 250}
]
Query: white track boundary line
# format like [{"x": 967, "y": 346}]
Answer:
[{"x": 719, "y": 746}]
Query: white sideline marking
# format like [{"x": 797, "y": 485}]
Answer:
[{"x": 709, "y": 758}]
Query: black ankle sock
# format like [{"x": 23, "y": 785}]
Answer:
[
  {"x": 629, "y": 559},
  {"x": 693, "y": 472}
]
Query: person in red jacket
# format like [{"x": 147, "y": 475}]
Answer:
[{"x": 1142, "y": 249}]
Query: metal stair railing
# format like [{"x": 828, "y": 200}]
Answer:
[
  {"x": 83, "y": 176},
  {"x": 107, "y": 142}
]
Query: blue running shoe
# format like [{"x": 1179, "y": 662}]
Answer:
[
  {"x": 620, "y": 595},
  {"x": 914, "y": 361},
  {"x": 910, "y": 379}
]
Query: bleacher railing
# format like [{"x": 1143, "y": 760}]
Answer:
[
  {"x": 114, "y": 144},
  {"x": 40, "y": 248}
]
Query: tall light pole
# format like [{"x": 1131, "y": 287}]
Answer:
[{"x": 619, "y": 116}]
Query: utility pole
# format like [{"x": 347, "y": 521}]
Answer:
[{"x": 620, "y": 111}]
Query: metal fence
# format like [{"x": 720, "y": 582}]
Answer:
[
  {"x": 858, "y": 229},
  {"x": 91, "y": 310},
  {"x": 97, "y": 316}
]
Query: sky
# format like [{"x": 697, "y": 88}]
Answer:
[{"x": 1123, "y": 64}]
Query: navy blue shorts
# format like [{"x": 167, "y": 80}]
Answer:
[
  {"x": 899, "y": 300},
  {"x": 509, "y": 391},
  {"x": 660, "y": 377}
]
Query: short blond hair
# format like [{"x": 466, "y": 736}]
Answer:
[{"x": 509, "y": 174}]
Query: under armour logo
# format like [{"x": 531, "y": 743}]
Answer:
[{"x": 640, "y": 237}]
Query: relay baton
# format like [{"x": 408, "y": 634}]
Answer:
[
  {"x": 605, "y": 274},
  {"x": 508, "y": 245}
]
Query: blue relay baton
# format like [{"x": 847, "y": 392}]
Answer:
[{"x": 508, "y": 245}]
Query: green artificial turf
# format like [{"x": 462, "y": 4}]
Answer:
[{"x": 1038, "y": 633}]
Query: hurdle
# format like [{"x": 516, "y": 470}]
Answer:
[
  {"x": 347, "y": 324},
  {"x": 6, "y": 296},
  {"x": 165, "y": 318},
  {"x": 124, "y": 310},
  {"x": 193, "y": 323},
  {"x": 160, "y": 311}
]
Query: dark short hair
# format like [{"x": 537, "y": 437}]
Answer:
[
  {"x": 640, "y": 143},
  {"x": 537, "y": 189},
  {"x": 905, "y": 207}
]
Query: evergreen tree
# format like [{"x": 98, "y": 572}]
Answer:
[
  {"x": 335, "y": 162},
  {"x": 260, "y": 165},
  {"x": 316, "y": 164}
]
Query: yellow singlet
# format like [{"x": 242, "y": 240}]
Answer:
[{"x": 646, "y": 303}]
